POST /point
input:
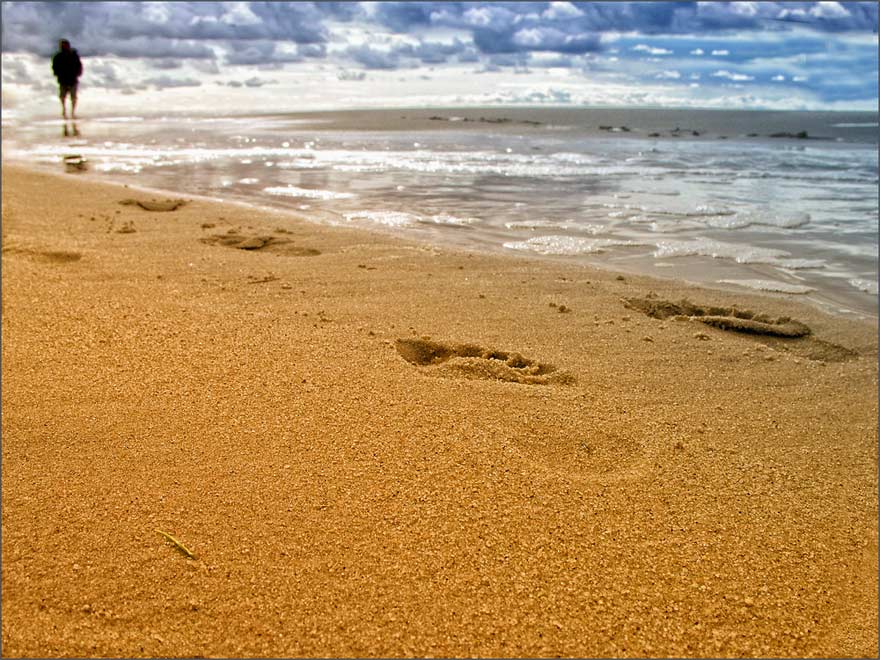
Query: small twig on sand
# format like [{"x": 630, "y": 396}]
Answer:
[{"x": 177, "y": 544}]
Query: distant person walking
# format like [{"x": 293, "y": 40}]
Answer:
[{"x": 67, "y": 68}]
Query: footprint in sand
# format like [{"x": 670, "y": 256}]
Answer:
[
  {"x": 267, "y": 243},
  {"x": 782, "y": 332},
  {"x": 53, "y": 256},
  {"x": 586, "y": 455},
  {"x": 474, "y": 362},
  {"x": 725, "y": 318},
  {"x": 158, "y": 205}
]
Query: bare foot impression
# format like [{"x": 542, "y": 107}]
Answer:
[
  {"x": 268, "y": 243},
  {"x": 474, "y": 362},
  {"x": 726, "y": 318},
  {"x": 586, "y": 454},
  {"x": 54, "y": 256},
  {"x": 782, "y": 332},
  {"x": 158, "y": 205}
]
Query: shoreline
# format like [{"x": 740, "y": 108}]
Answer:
[
  {"x": 822, "y": 301},
  {"x": 375, "y": 447},
  {"x": 838, "y": 272},
  {"x": 357, "y": 115}
]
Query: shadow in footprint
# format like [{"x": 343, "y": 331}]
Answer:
[
  {"x": 725, "y": 318},
  {"x": 778, "y": 332},
  {"x": 474, "y": 362},
  {"x": 267, "y": 243},
  {"x": 53, "y": 256},
  {"x": 157, "y": 205}
]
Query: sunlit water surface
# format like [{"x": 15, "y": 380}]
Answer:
[{"x": 729, "y": 206}]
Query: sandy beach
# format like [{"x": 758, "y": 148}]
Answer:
[{"x": 369, "y": 447}]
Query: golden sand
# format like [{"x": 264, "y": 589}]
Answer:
[{"x": 378, "y": 448}]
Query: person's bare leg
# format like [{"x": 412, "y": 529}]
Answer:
[
  {"x": 63, "y": 106},
  {"x": 73, "y": 104}
]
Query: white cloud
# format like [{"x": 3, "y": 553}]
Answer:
[
  {"x": 164, "y": 82},
  {"x": 796, "y": 13},
  {"x": 225, "y": 41},
  {"x": 531, "y": 37},
  {"x": 16, "y": 71},
  {"x": 157, "y": 12},
  {"x": 558, "y": 10},
  {"x": 829, "y": 10},
  {"x": 732, "y": 76},
  {"x": 652, "y": 51},
  {"x": 496, "y": 18},
  {"x": 206, "y": 66},
  {"x": 744, "y": 8},
  {"x": 351, "y": 75},
  {"x": 166, "y": 64},
  {"x": 258, "y": 82},
  {"x": 240, "y": 13}
]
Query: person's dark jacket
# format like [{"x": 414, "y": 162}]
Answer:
[{"x": 67, "y": 67}]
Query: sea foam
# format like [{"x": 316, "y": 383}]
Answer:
[
  {"x": 767, "y": 219},
  {"x": 294, "y": 191},
  {"x": 566, "y": 245},
  {"x": 449, "y": 220},
  {"x": 387, "y": 218},
  {"x": 550, "y": 224},
  {"x": 742, "y": 254},
  {"x": 769, "y": 285},
  {"x": 867, "y": 286}
]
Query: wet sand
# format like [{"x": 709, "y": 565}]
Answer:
[{"x": 367, "y": 447}]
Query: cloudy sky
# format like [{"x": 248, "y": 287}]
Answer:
[{"x": 287, "y": 56}]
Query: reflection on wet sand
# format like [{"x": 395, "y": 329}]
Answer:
[{"x": 73, "y": 162}]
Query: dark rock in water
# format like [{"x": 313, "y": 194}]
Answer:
[
  {"x": 499, "y": 120},
  {"x": 801, "y": 135},
  {"x": 653, "y": 134},
  {"x": 75, "y": 162}
]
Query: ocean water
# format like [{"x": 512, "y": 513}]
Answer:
[{"x": 785, "y": 203}]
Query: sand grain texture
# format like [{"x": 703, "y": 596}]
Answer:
[{"x": 683, "y": 495}]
